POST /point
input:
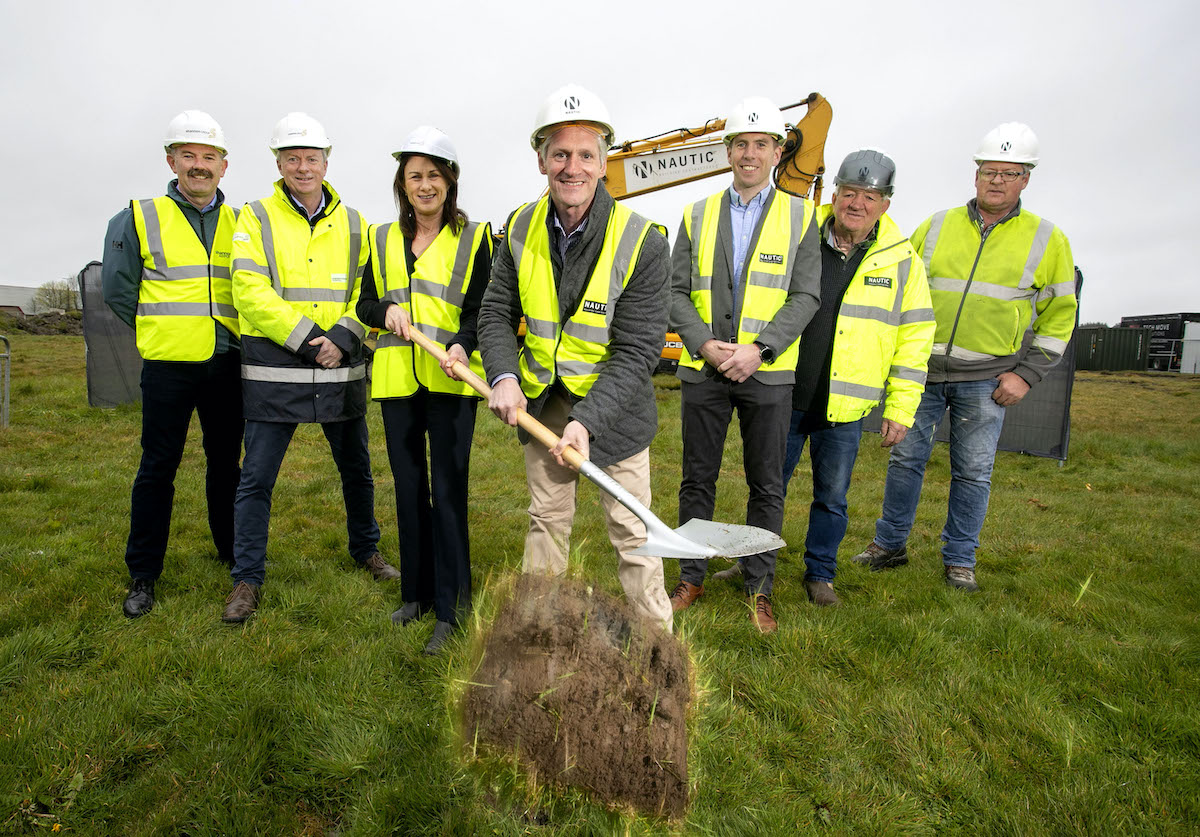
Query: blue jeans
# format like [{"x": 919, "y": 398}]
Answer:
[
  {"x": 266, "y": 443},
  {"x": 833, "y": 450},
  {"x": 975, "y": 424}
]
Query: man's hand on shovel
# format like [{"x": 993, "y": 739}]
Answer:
[
  {"x": 454, "y": 354},
  {"x": 575, "y": 435}
]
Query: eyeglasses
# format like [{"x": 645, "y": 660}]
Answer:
[{"x": 1006, "y": 176}]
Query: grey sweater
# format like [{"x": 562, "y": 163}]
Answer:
[{"x": 619, "y": 410}]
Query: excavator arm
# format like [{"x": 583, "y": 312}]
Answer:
[{"x": 639, "y": 167}]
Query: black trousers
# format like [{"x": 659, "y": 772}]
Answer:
[
  {"x": 431, "y": 497},
  {"x": 171, "y": 391},
  {"x": 764, "y": 412}
]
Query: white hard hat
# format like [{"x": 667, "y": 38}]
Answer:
[
  {"x": 569, "y": 105},
  {"x": 1010, "y": 142},
  {"x": 757, "y": 114},
  {"x": 430, "y": 142},
  {"x": 195, "y": 126},
  {"x": 299, "y": 130}
]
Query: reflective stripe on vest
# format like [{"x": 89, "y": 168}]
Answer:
[
  {"x": 983, "y": 288},
  {"x": 576, "y": 351},
  {"x": 183, "y": 287},
  {"x": 433, "y": 298},
  {"x": 766, "y": 273}
]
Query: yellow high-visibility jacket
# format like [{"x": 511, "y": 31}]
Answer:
[
  {"x": 884, "y": 331},
  {"x": 294, "y": 281},
  {"x": 987, "y": 288}
]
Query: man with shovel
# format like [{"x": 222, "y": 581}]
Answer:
[
  {"x": 746, "y": 278},
  {"x": 590, "y": 278}
]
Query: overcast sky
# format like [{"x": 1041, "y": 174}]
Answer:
[{"x": 1108, "y": 87}]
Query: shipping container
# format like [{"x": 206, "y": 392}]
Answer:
[
  {"x": 1112, "y": 349},
  {"x": 1166, "y": 337}
]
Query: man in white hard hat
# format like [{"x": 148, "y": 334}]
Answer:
[
  {"x": 298, "y": 258},
  {"x": 993, "y": 266},
  {"x": 745, "y": 281},
  {"x": 166, "y": 274},
  {"x": 868, "y": 343},
  {"x": 590, "y": 278}
]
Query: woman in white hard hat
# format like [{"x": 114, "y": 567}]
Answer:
[{"x": 428, "y": 271}]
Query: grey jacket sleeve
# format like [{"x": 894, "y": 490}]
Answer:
[
  {"x": 121, "y": 271},
  {"x": 804, "y": 294},
  {"x": 685, "y": 319},
  {"x": 499, "y": 316},
  {"x": 636, "y": 337}
]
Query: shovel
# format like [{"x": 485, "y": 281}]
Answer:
[{"x": 694, "y": 539}]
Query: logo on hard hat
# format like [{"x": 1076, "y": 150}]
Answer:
[
  {"x": 571, "y": 103},
  {"x": 1006, "y": 146},
  {"x": 864, "y": 172},
  {"x": 752, "y": 118}
]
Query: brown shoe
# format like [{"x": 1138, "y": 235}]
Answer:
[
  {"x": 761, "y": 615},
  {"x": 821, "y": 593},
  {"x": 380, "y": 568},
  {"x": 685, "y": 594},
  {"x": 241, "y": 604},
  {"x": 734, "y": 573}
]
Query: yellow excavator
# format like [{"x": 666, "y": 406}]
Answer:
[{"x": 639, "y": 167}]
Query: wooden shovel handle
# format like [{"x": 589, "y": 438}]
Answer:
[{"x": 528, "y": 423}]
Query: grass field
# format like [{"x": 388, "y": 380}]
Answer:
[{"x": 1063, "y": 699}]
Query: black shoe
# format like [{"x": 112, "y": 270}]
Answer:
[
  {"x": 140, "y": 599},
  {"x": 442, "y": 632},
  {"x": 410, "y": 612}
]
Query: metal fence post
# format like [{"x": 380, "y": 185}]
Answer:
[{"x": 6, "y": 361}]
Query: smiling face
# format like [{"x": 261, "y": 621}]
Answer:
[
  {"x": 199, "y": 169},
  {"x": 752, "y": 157},
  {"x": 857, "y": 209},
  {"x": 303, "y": 171},
  {"x": 994, "y": 195},
  {"x": 424, "y": 186},
  {"x": 573, "y": 165}
]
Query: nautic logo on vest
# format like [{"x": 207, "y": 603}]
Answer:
[
  {"x": 878, "y": 281},
  {"x": 590, "y": 306},
  {"x": 770, "y": 258}
]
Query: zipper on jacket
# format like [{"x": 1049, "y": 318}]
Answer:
[{"x": 983, "y": 236}]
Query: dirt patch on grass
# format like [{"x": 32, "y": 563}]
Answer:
[
  {"x": 69, "y": 323},
  {"x": 587, "y": 694}
]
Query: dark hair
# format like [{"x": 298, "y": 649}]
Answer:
[{"x": 451, "y": 214}]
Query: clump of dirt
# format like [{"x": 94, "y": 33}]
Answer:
[{"x": 587, "y": 693}]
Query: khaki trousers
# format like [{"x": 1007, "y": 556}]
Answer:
[{"x": 552, "y": 511}]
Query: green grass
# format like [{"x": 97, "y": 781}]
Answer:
[{"x": 1063, "y": 699}]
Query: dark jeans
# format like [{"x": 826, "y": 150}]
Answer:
[
  {"x": 170, "y": 392},
  {"x": 435, "y": 550},
  {"x": 833, "y": 449},
  {"x": 763, "y": 412},
  {"x": 266, "y": 443}
]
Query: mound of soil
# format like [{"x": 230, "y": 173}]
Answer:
[
  {"x": 55, "y": 323},
  {"x": 587, "y": 694}
]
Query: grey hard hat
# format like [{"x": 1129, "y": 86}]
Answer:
[{"x": 868, "y": 167}]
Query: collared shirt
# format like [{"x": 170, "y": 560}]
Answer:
[
  {"x": 563, "y": 239},
  {"x": 309, "y": 215},
  {"x": 745, "y": 221}
]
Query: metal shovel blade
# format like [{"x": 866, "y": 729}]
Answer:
[{"x": 694, "y": 539}]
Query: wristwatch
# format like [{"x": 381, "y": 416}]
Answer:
[{"x": 765, "y": 353}]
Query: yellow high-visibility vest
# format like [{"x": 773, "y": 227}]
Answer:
[
  {"x": 766, "y": 275},
  {"x": 184, "y": 287},
  {"x": 574, "y": 351},
  {"x": 433, "y": 298}
]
